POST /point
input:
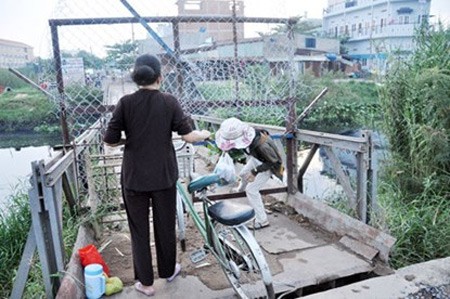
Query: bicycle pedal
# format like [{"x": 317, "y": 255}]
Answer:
[{"x": 198, "y": 255}]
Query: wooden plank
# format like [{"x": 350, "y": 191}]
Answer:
[
  {"x": 361, "y": 186},
  {"x": 336, "y": 222},
  {"x": 72, "y": 282},
  {"x": 356, "y": 144},
  {"x": 341, "y": 176},
  {"x": 372, "y": 177}
]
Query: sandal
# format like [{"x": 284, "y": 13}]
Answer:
[
  {"x": 175, "y": 273},
  {"x": 258, "y": 225},
  {"x": 146, "y": 290}
]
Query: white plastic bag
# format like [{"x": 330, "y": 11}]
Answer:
[{"x": 225, "y": 168}]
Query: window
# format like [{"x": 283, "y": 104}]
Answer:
[
  {"x": 310, "y": 42},
  {"x": 351, "y": 3},
  {"x": 406, "y": 19},
  {"x": 192, "y": 5}
]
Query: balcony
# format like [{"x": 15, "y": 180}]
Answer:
[{"x": 393, "y": 30}]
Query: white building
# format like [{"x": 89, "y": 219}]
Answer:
[
  {"x": 375, "y": 28},
  {"x": 14, "y": 54}
]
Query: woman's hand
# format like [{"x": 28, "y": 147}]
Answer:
[{"x": 249, "y": 177}]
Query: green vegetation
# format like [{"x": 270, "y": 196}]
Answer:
[
  {"x": 348, "y": 105},
  {"x": 24, "y": 109},
  {"x": 8, "y": 79},
  {"x": 415, "y": 192},
  {"x": 15, "y": 223}
]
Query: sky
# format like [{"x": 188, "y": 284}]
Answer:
[{"x": 27, "y": 20}]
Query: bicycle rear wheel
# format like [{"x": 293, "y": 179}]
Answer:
[{"x": 247, "y": 269}]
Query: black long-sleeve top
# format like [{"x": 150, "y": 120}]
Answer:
[{"x": 148, "y": 118}]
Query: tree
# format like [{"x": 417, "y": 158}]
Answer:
[
  {"x": 122, "y": 56},
  {"x": 90, "y": 60}
]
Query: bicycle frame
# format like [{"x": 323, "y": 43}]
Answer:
[{"x": 204, "y": 225}]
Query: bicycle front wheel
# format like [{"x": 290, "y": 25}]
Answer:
[{"x": 245, "y": 266}]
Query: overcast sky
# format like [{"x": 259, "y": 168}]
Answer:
[{"x": 27, "y": 20}]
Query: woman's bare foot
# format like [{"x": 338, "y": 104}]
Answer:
[
  {"x": 147, "y": 290},
  {"x": 175, "y": 273}
]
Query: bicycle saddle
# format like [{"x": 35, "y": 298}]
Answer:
[
  {"x": 231, "y": 213},
  {"x": 203, "y": 182}
]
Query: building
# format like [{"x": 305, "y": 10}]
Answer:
[
  {"x": 213, "y": 31},
  {"x": 375, "y": 28},
  {"x": 14, "y": 54},
  {"x": 311, "y": 54}
]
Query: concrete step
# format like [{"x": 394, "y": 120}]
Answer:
[{"x": 425, "y": 280}]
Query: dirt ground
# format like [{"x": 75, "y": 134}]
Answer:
[{"x": 116, "y": 251}]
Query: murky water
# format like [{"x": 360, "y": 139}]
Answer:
[
  {"x": 16, "y": 166},
  {"x": 315, "y": 183}
]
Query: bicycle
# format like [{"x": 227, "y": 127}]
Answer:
[{"x": 227, "y": 237}]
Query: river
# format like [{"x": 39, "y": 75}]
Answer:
[{"x": 15, "y": 161}]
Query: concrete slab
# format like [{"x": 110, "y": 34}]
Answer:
[
  {"x": 404, "y": 283},
  {"x": 284, "y": 235},
  {"x": 317, "y": 265},
  {"x": 189, "y": 287}
]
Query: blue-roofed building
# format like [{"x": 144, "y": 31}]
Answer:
[{"x": 375, "y": 28}]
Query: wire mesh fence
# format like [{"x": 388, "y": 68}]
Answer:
[{"x": 218, "y": 59}]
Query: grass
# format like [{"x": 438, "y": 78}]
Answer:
[
  {"x": 415, "y": 189},
  {"x": 420, "y": 224},
  {"x": 14, "y": 228},
  {"x": 25, "y": 109}
]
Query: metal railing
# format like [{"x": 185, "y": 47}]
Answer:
[{"x": 51, "y": 183}]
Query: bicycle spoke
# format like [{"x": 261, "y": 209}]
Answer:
[{"x": 243, "y": 270}]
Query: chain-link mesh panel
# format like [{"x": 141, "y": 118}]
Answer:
[{"x": 219, "y": 58}]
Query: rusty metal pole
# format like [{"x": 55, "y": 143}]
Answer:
[
  {"x": 291, "y": 125},
  {"x": 60, "y": 84},
  {"x": 179, "y": 67},
  {"x": 235, "y": 60}
]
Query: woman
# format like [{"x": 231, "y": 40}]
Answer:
[
  {"x": 149, "y": 168},
  {"x": 263, "y": 161}
]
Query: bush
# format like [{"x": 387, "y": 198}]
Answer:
[{"x": 415, "y": 100}]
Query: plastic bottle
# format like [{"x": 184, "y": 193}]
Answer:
[{"x": 94, "y": 280}]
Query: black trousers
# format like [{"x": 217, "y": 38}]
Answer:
[{"x": 137, "y": 205}]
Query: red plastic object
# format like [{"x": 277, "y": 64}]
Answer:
[{"x": 90, "y": 255}]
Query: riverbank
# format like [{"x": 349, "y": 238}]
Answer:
[{"x": 20, "y": 139}]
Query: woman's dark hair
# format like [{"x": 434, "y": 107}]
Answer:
[{"x": 147, "y": 69}]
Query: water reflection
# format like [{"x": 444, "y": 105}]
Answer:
[
  {"x": 315, "y": 184},
  {"x": 15, "y": 166}
]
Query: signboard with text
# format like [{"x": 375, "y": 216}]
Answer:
[{"x": 73, "y": 70}]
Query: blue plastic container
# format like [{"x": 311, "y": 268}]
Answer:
[{"x": 94, "y": 280}]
